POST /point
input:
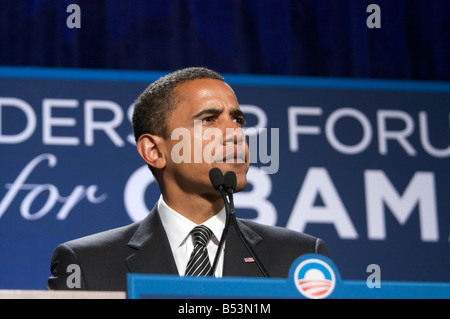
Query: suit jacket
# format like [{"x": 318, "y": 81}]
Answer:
[{"x": 142, "y": 247}]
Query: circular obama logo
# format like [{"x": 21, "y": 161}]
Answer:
[{"x": 314, "y": 278}]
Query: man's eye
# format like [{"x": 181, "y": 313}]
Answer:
[
  {"x": 208, "y": 119},
  {"x": 240, "y": 120}
]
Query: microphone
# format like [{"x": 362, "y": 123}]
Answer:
[
  {"x": 227, "y": 184},
  {"x": 218, "y": 182},
  {"x": 230, "y": 182},
  {"x": 217, "y": 178}
]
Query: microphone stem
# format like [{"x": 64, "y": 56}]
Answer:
[
  {"x": 243, "y": 239},
  {"x": 218, "y": 180},
  {"x": 224, "y": 232}
]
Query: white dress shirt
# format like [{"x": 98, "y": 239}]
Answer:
[{"x": 178, "y": 230}]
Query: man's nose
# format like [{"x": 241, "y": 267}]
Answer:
[{"x": 234, "y": 134}]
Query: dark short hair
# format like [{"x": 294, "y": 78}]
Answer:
[{"x": 157, "y": 102}]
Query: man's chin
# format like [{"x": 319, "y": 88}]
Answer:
[
  {"x": 241, "y": 178},
  {"x": 240, "y": 169},
  {"x": 241, "y": 186}
]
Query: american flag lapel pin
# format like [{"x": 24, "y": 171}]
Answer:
[{"x": 249, "y": 260}]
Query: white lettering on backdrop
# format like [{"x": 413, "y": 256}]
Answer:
[{"x": 53, "y": 195}]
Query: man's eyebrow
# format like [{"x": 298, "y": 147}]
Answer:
[
  {"x": 212, "y": 111},
  {"x": 237, "y": 113},
  {"x": 207, "y": 112}
]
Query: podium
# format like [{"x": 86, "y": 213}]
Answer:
[{"x": 311, "y": 276}]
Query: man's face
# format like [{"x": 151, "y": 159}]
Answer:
[{"x": 206, "y": 132}]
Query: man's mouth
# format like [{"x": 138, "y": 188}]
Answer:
[
  {"x": 235, "y": 154},
  {"x": 234, "y": 157}
]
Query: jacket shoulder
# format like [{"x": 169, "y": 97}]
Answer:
[
  {"x": 105, "y": 238},
  {"x": 277, "y": 232},
  {"x": 99, "y": 257},
  {"x": 285, "y": 238}
]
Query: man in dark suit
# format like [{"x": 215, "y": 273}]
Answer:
[{"x": 185, "y": 104}]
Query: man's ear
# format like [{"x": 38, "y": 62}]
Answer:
[{"x": 148, "y": 146}]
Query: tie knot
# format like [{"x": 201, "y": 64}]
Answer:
[{"x": 201, "y": 235}]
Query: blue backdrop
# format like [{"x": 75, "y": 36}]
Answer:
[
  {"x": 359, "y": 117},
  {"x": 362, "y": 164},
  {"x": 286, "y": 37}
]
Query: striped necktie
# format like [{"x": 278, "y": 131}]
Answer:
[{"x": 199, "y": 264}]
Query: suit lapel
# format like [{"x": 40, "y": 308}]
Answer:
[
  {"x": 153, "y": 253},
  {"x": 235, "y": 253}
]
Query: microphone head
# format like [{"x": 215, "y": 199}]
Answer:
[
  {"x": 216, "y": 177},
  {"x": 230, "y": 180}
]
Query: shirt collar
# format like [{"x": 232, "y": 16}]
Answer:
[{"x": 178, "y": 227}]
